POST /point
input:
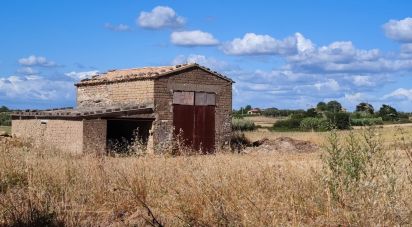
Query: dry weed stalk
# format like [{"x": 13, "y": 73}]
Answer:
[{"x": 38, "y": 185}]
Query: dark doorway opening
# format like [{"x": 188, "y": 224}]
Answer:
[{"x": 121, "y": 134}]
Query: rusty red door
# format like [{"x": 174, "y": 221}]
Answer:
[
  {"x": 183, "y": 122},
  {"x": 194, "y": 120},
  {"x": 204, "y": 132}
]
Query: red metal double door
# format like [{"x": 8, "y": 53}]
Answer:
[{"x": 194, "y": 119}]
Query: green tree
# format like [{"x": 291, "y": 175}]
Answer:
[
  {"x": 321, "y": 106},
  {"x": 365, "y": 107},
  {"x": 334, "y": 106},
  {"x": 247, "y": 108},
  {"x": 311, "y": 112},
  {"x": 4, "y": 109},
  {"x": 388, "y": 113}
]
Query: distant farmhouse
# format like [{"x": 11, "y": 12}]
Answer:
[
  {"x": 254, "y": 111},
  {"x": 155, "y": 102}
]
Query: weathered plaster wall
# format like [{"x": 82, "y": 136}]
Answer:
[{"x": 66, "y": 135}]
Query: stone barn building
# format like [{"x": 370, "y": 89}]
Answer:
[{"x": 156, "y": 102}]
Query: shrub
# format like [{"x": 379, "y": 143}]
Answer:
[
  {"x": 358, "y": 165},
  {"x": 5, "y": 119},
  {"x": 238, "y": 141},
  {"x": 359, "y": 115},
  {"x": 339, "y": 120},
  {"x": 317, "y": 124},
  {"x": 388, "y": 113},
  {"x": 289, "y": 124},
  {"x": 242, "y": 125},
  {"x": 366, "y": 121}
]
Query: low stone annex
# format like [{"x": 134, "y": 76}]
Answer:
[{"x": 153, "y": 104}]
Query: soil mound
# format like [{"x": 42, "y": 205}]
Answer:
[{"x": 282, "y": 144}]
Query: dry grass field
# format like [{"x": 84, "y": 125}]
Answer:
[
  {"x": 39, "y": 185},
  {"x": 263, "y": 121},
  {"x": 6, "y": 129}
]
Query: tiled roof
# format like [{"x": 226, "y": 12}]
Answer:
[
  {"x": 92, "y": 112},
  {"x": 143, "y": 73}
]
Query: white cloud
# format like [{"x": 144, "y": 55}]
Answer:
[
  {"x": 355, "y": 97},
  {"x": 360, "y": 81},
  {"x": 209, "y": 62},
  {"x": 33, "y": 60},
  {"x": 329, "y": 84},
  {"x": 400, "y": 93},
  {"x": 337, "y": 57},
  {"x": 27, "y": 71},
  {"x": 160, "y": 17},
  {"x": 35, "y": 88},
  {"x": 399, "y": 30},
  {"x": 253, "y": 44},
  {"x": 81, "y": 75},
  {"x": 117, "y": 27},
  {"x": 193, "y": 38},
  {"x": 406, "y": 48}
]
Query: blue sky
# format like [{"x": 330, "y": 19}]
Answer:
[{"x": 285, "y": 54}]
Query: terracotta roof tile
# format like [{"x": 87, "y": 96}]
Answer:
[{"x": 141, "y": 74}]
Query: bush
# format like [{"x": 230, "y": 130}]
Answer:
[
  {"x": 238, "y": 141},
  {"x": 366, "y": 121},
  {"x": 358, "y": 165},
  {"x": 243, "y": 125},
  {"x": 317, "y": 124},
  {"x": 361, "y": 115},
  {"x": 339, "y": 120},
  {"x": 289, "y": 124},
  {"x": 5, "y": 119},
  {"x": 388, "y": 113}
]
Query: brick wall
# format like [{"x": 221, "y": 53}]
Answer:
[
  {"x": 128, "y": 92},
  {"x": 192, "y": 80},
  {"x": 66, "y": 135},
  {"x": 94, "y": 136}
]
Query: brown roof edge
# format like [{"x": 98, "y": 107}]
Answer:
[
  {"x": 195, "y": 65},
  {"x": 178, "y": 69},
  {"x": 83, "y": 113}
]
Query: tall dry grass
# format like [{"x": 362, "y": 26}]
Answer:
[{"x": 42, "y": 186}]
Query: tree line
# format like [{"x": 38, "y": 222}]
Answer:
[{"x": 330, "y": 114}]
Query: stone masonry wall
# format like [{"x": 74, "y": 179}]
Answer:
[
  {"x": 193, "y": 80},
  {"x": 66, "y": 135},
  {"x": 94, "y": 136},
  {"x": 127, "y": 92}
]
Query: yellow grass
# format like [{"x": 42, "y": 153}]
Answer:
[
  {"x": 213, "y": 190},
  {"x": 388, "y": 134},
  {"x": 5, "y": 129},
  {"x": 263, "y": 121}
]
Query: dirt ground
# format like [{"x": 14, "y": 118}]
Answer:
[{"x": 282, "y": 144}]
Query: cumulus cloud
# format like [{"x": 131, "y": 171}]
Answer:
[
  {"x": 209, "y": 62},
  {"x": 330, "y": 84},
  {"x": 160, "y": 17},
  {"x": 118, "y": 27},
  {"x": 302, "y": 55},
  {"x": 77, "y": 76},
  {"x": 399, "y": 30},
  {"x": 340, "y": 56},
  {"x": 406, "y": 48},
  {"x": 360, "y": 81},
  {"x": 253, "y": 44},
  {"x": 30, "y": 88},
  {"x": 401, "y": 94},
  {"x": 193, "y": 38},
  {"x": 355, "y": 97},
  {"x": 34, "y": 60},
  {"x": 27, "y": 71}
]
